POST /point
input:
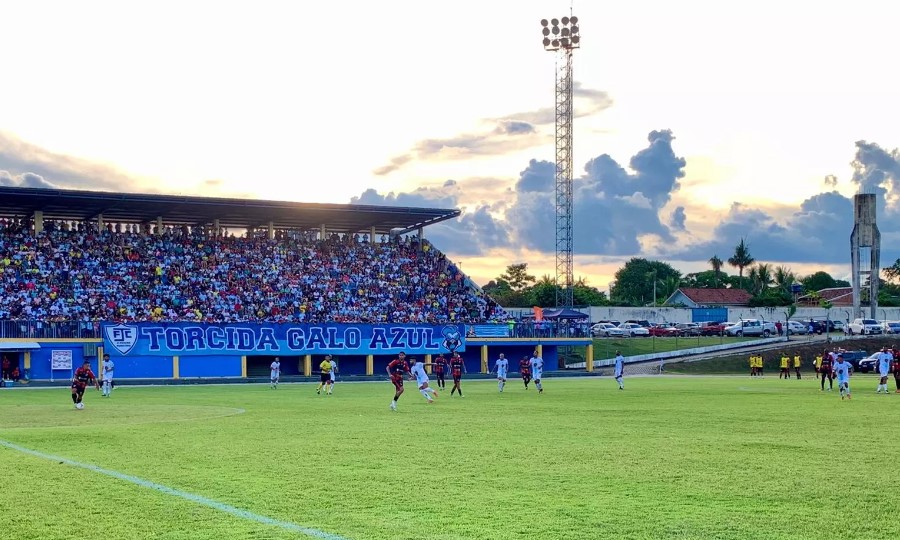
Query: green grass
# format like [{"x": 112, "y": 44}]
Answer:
[{"x": 668, "y": 458}]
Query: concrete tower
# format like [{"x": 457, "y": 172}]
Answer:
[{"x": 865, "y": 254}]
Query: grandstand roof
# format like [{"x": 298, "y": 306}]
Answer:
[{"x": 189, "y": 210}]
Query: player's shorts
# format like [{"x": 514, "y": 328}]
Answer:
[
  {"x": 420, "y": 382},
  {"x": 501, "y": 374},
  {"x": 326, "y": 377},
  {"x": 332, "y": 376},
  {"x": 398, "y": 382},
  {"x": 457, "y": 375},
  {"x": 526, "y": 373},
  {"x": 78, "y": 387},
  {"x": 537, "y": 374},
  {"x": 274, "y": 375}
]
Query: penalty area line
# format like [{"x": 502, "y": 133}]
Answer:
[{"x": 210, "y": 503}]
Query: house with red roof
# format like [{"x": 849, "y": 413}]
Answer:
[
  {"x": 838, "y": 296},
  {"x": 694, "y": 298}
]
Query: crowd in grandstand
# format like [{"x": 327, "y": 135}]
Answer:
[{"x": 75, "y": 272}]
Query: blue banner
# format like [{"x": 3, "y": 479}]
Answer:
[{"x": 239, "y": 339}]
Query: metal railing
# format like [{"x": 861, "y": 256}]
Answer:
[{"x": 31, "y": 329}]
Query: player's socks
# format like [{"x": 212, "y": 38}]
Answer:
[
  {"x": 425, "y": 394},
  {"x": 75, "y": 399}
]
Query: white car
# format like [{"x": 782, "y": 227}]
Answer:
[
  {"x": 891, "y": 327},
  {"x": 608, "y": 330},
  {"x": 634, "y": 329},
  {"x": 864, "y": 327},
  {"x": 795, "y": 327}
]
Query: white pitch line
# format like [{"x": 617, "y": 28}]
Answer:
[{"x": 228, "y": 509}]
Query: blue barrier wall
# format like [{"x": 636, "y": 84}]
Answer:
[
  {"x": 207, "y": 366},
  {"x": 143, "y": 367},
  {"x": 40, "y": 360}
]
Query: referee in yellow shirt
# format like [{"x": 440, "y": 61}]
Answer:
[{"x": 325, "y": 368}]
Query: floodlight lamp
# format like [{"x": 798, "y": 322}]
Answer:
[
  {"x": 565, "y": 20},
  {"x": 555, "y": 30},
  {"x": 555, "y": 43},
  {"x": 554, "y": 22},
  {"x": 575, "y": 29},
  {"x": 544, "y": 22},
  {"x": 545, "y": 31},
  {"x": 576, "y": 39},
  {"x": 573, "y": 19},
  {"x": 565, "y": 42},
  {"x": 546, "y": 42},
  {"x": 565, "y": 31}
]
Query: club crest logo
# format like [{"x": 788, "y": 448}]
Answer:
[
  {"x": 122, "y": 337},
  {"x": 452, "y": 338}
]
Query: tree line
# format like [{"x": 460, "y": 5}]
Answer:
[{"x": 643, "y": 282}]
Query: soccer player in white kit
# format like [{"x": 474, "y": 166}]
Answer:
[
  {"x": 620, "y": 370},
  {"x": 537, "y": 369},
  {"x": 842, "y": 372},
  {"x": 884, "y": 369},
  {"x": 418, "y": 371},
  {"x": 276, "y": 372},
  {"x": 334, "y": 368},
  {"x": 107, "y": 369},
  {"x": 501, "y": 366}
]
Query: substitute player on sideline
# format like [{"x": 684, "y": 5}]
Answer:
[
  {"x": 842, "y": 371},
  {"x": 275, "y": 372},
  {"x": 537, "y": 369},
  {"x": 108, "y": 370},
  {"x": 525, "y": 370},
  {"x": 620, "y": 370},
  {"x": 396, "y": 369},
  {"x": 418, "y": 371},
  {"x": 80, "y": 380},
  {"x": 501, "y": 367}
]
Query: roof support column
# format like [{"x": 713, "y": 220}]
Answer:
[
  {"x": 100, "y": 223},
  {"x": 421, "y": 238},
  {"x": 159, "y": 226},
  {"x": 217, "y": 229},
  {"x": 322, "y": 232},
  {"x": 271, "y": 230},
  {"x": 38, "y": 221},
  {"x": 372, "y": 235}
]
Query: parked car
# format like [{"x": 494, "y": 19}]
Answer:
[
  {"x": 688, "y": 329},
  {"x": 854, "y": 357},
  {"x": 711, "y": 328},
  {"x": 838, "y": 326},
  {"x": 867, "y": 364},
  {"x": 795, "y": 327},
  {"x": 891, "y": 327},
  {"x": 751, "y": 327},
  {"x": 634, "y": 329},
  {"x": 607, "y": 330},
  {"x": 663, "y": 330},
  {"x": 864, "y": 327},
  {"x": 641, "y": 322}
]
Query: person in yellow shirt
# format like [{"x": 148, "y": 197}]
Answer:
[
  {"x": 785, "y": 370},
  {"x": 325, "y": 368},
  {"x": 752, "y": 365},
  {"x": 818, "y": 364},
  {"x": 759, "y": 365},
  {"x": 797, "y": 365}
]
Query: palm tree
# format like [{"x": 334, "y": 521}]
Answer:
[
  {"x": 716, "y": 264},
  {"x": 741, "y": 259},
  {"x": 784, "y": 278},
  {"x": 760, "y": 278}
]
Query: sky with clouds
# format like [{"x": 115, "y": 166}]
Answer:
[{"x": 697, "y": 123}]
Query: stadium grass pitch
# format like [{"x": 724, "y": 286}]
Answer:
[{"x": 668, "y": 457}]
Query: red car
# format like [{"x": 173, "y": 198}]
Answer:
[{"x": 663, "y": 330}]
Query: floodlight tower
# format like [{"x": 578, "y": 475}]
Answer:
[
  {"x": 865, "y": 254},
  {"x": 562, "y": 37}
]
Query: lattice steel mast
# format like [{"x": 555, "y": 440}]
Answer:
[{"x": 562, "y": 37}]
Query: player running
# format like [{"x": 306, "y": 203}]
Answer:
[
  {"x": 80, "y": 380},
  {"x": 334, "y": 370},
  {"x": 537, "y": 369},
  {"x": 418, "y": 371},
  {"x": 439, "y": 366},
  {"x": 108, "y": 370},
  {"x": 275, "y": 375},
  {"x": 457, "y": 368},
  {"x": 884, "y": 369},
  {"x": 396, "y": 369},
  {"x": 525, "y": 370},
  {"x": 620, "y": 370},
  {"x": 842, "y": 371},
  {"x": 501, "y": 366}
]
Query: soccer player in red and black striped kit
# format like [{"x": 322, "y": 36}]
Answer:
[
  {"x": 525, "y": 370},
  {"x": 438, "y": 366},
  {"x": 80, "y": 380},
  {"x": 895, "y": 367},
  {"x": 396, "y": 369},
  {"x": 825, "y": 370},
  {"x": 457, "y": 368}
]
